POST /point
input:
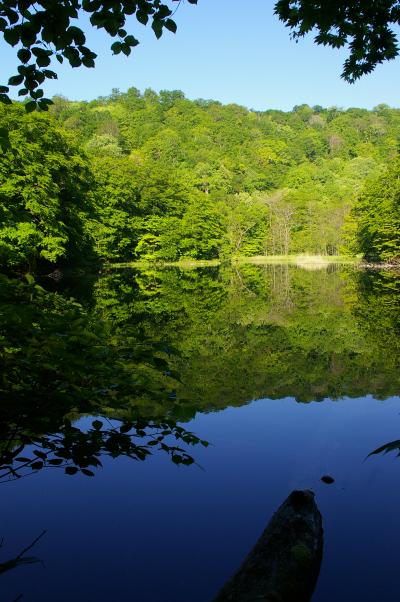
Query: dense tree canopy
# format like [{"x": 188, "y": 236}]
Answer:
[
  {"x": 157, "y": 177},
  {"x": 377, "y": 214},
  {"x": 45, "y": 192}
]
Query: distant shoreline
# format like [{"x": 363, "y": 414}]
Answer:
[
  {"x": 301, "y": 261},
  {"x": 298, "y": 259}
]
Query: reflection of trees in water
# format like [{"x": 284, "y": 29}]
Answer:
[
  {"x": 60, "y": 361},
  {"x": 378, "y": 315},
  {"x": 281, "y": 289},
  {"x": 161, "y": 345},
  {"x": 280, "y": 331},
  {"x": 258, "y": 331}
]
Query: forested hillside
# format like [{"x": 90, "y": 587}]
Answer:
[{"x": 159, "y": 177}]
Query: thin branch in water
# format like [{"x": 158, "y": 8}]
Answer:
[
  {"x": 21, "y": 558},
  {"x": 32, "y": 544}
]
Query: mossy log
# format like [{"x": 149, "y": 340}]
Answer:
[{"x": 284, "y": 564}]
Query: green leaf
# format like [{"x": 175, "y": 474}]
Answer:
[
  {"x": 97, "y": 425},
  {"x": 39, "y": 51},
  {"x": 72, "y": 55},
  {"x": 37, "y": 94},
  {"x": 71, "y": 470},
  {"x": 5, "y": 99},
  {"x": 170, "y": 25},
  {"x": 125, "y": 428},
  {"x": 88, "y": 62},
  {"x": 157, "y": 27},
  {"x": 39, "y": 454},
  {"x": 163, "y": 12},
  {"x": 131, "y": 41},
  {"x": 12, "y": 36},
  {"x": 43, "y": 61},
  {"x": 116, "y": 47},
  {"x": 16, "y": 80},
  {"x": 49, "y": 74},
  {"x": 12, "y": 16},
  {"x": 30, "y": 106},
  {"x": 24, "y": 55},
  {"x": 87, "y": 472},
  {"x": 77, "y": 35},
  {"x": 75, "y": 62},
  {"x": 43, "y": 106},
  {"x": 142, "y": 17},
  {"x": 91, "y": 5}
]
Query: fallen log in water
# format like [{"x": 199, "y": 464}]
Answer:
[{"x": 284, "y": 564}]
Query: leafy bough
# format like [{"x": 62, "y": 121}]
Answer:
[
  {"x": 45, "y": 29},
  {"x": 77, "y": 450}
]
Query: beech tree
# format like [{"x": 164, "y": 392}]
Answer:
[{"x": 365, "y": 27}]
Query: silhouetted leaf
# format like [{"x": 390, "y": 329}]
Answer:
[
  {"x": 39, "y": 454},
  {"x": 170, "y": 25},
  {"x": 71, "y": 470},
  {"x": 388, "y": 447},
  {"x": 87, "y": 472}
]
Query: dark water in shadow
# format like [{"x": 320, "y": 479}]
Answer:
[{"x": 109, "y": 375}]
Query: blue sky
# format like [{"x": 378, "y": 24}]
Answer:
[{"x": 230, "y": 51}]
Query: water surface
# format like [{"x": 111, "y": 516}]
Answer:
[{"x": 288, "y": 374}]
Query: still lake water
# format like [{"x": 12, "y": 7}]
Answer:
[{"x": 288, "y": 374}]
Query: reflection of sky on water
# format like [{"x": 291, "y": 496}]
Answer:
[{"x": 155, "y": 532}]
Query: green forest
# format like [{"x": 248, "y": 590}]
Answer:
[{"x": 157, "y": 177}]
